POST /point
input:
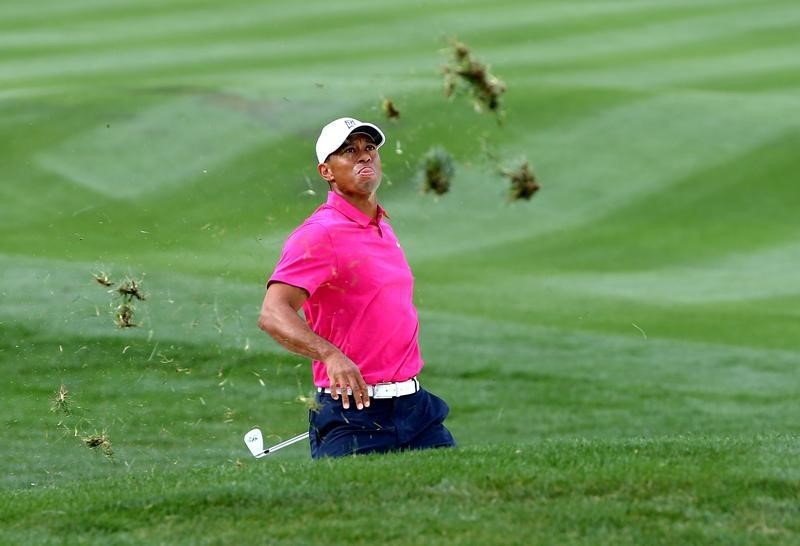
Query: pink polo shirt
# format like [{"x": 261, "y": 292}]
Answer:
[{"x": 360, "y": 290}]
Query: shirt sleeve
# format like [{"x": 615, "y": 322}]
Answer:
[{"x": 307, "y": 260}]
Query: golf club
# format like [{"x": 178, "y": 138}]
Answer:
[{"x": 255, "y": 442}]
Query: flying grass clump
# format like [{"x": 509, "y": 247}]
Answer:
[
  {"x": 466, "y": 73},
  {"x": 438, "y": 168},
  {"x": 128, "y": 290},
  {"x": 102, "y": 279},
  {"x": 75, "y": 419},
  {"x": 101, "y": 441},
  {"x": 523, "y": 181},
  {"x": 123, "y": 316},
  {"x": 61, "y": 402},
  {"x": 389, "y": 109}
]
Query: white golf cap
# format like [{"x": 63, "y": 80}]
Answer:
[{"x": 336, "y": 132}]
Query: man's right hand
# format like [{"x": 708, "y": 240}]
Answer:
[{"x": 343, "y": 373}]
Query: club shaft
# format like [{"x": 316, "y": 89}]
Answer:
[{"x": 285, "y": 443}]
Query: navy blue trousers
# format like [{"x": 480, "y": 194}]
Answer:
[{"x": 394, "y": 424}]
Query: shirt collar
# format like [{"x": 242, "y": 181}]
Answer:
[{"x": 343, "y": 205}]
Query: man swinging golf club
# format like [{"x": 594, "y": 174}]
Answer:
[{"x": 345, "y": 268}]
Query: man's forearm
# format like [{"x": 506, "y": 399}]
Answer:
[
  {"x": 280, "y": 319},
  {"x": 287, "y": 328}
]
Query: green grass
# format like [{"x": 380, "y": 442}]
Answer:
[
  {"x": 584, "y": 492},
  {"x": 619, "y": 354}
]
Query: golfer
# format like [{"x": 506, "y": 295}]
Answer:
[{"x": 345, "y": 268}]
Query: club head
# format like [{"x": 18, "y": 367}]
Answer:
[{"x": 255, "y": 442}]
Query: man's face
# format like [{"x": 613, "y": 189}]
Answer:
[{"x": 355, "y": 168}]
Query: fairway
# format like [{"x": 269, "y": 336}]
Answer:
[{"x": 620, "y": 353}]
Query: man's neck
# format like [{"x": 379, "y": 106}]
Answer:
[{"x": 368, "y": 204}]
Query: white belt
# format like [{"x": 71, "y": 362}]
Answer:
[{"x": 384, "y": 390}]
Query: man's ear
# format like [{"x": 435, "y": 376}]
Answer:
[{"x": 325, "y": 172}]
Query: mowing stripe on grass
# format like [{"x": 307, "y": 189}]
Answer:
[
  {"x": 650, "y": 74},
  {"x": 176, "y": 142},
  {"x": 650, "y": 35},
  {"x": 65, "y": 296},
  {"x": 297, "y": 47},
  {"x": 765, "y": 273}
]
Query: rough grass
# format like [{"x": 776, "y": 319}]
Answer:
[{"x": 686, "y": 489}]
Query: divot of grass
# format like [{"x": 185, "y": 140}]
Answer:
[
  {"x": 437, "y": 169},
  {"x": 128, "y": 290},
  {"x": 389, "y": 109},
  {"x": 465, "y": 72},
  {"x": 101, "y": 441},
  {"x": 523, "y": 181}
]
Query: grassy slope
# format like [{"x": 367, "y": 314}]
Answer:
[{"x": 619, "y": 354}]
